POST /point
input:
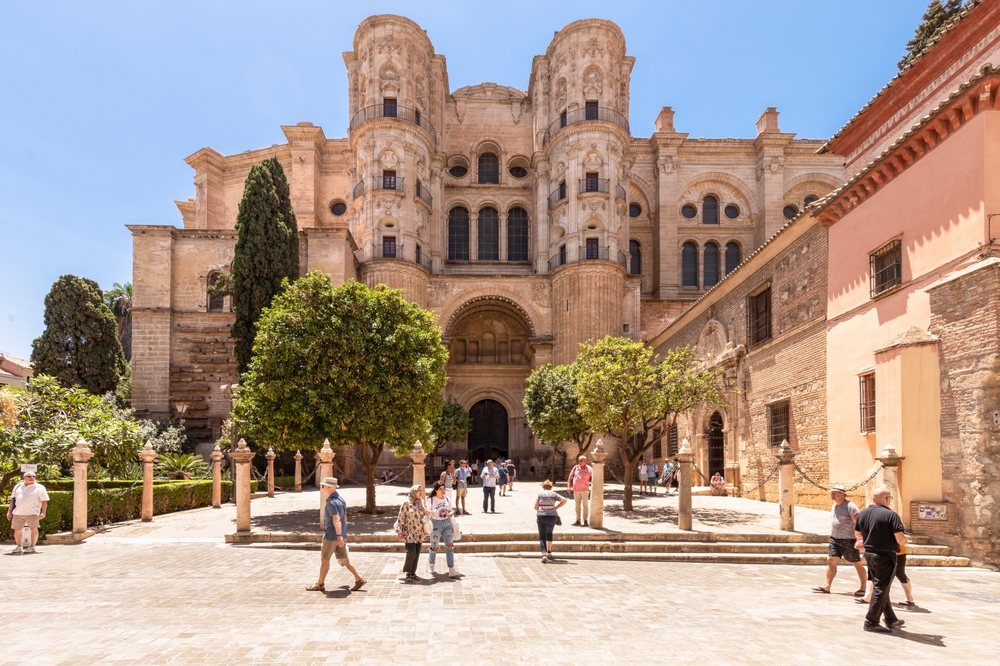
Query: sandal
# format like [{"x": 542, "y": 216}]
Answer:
[
  {"x": 357, "y": 585},
  {"x": 316, "y": 587},
  {"x": 859, "y": 593},
  {"x": 821, "y": 589},
  {"x": 861, "y": 600},
  {"x": 907, "y": 603}
]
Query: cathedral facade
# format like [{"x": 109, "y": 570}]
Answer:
[{"x": 527, "y": 221}]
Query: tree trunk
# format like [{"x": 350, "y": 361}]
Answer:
[
  {"x": 629, "y": 469},
  {"x": 552, "y": 478},
  {"x": 376, "y": 453},
  {"x": 6, "y": 480}
]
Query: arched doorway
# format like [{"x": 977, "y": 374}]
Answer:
[
  {"x": 488, "y": 438},
  {"x": 716, "y": 446}
]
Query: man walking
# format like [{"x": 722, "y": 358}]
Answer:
[
  {"x": 511, "y": 474},
  {"x": 462, "y": 475},
  {"x": 880, "y": 532},
  {"x": 842, "y": 517},
  {"x": 651, "y": 472},
  {"x": 579, "y": 483},
  {"x": 334, "y": 537},
  {"x": 28, "y": 504},
  {"x": 490, "y": 476}
]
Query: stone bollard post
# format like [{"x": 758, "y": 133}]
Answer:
[
  {"x": 786, "y": 487},
  {"x": 217, "y": 478},
  {"x": 890, "y": 474},
  {"x": 418, "y": 456},
  {"x": 81, "y": 460},
  {"x": 685, "y": 457},
  {"x": 298, "y": 471},
  {"x": 147, "y": 455},
  {"x": 325, "y": 469},
  {"x": 270, "y": 455},
  {"x": 597, "y": 457},
  {"x": 242, "y": 457}
]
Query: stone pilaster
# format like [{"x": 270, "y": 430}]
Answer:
[
  {"x": 81, "y": 460},
  {"x": 418, "y": 456},
  {"x": 891, "y": 462},
  {"x": 298, "y": 471},
  {"x": 217, "y": 478},
  {"x": 147, "y": 456},
  {"x": 241, "y": 458},
  {"x": 786, "y": 487},
  {"x": 270, "y": 455},
  {"x": 684, "y": 456},
  {"x": 597, "y": 457}
]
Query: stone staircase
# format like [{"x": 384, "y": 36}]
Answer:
[{"x": 717, "y": 547}]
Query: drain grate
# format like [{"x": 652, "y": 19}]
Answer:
[{"x": 978, "y": 597}]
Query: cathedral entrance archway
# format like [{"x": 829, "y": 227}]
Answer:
[
  {"x": 716, "y": 446},
  {"x": 488, "y": 437}
]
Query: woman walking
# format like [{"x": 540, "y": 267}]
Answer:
[
  {"x": 440, "y": 510},
  {"x": 547, "y": 506},
  {"x": 410, "y": 529},
  {"x": 502, "y": 479}
]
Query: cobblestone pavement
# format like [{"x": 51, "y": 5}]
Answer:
[{"x": 204, "y": 602}]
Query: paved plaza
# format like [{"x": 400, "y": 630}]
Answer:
[{"x": 172, "y": 592}]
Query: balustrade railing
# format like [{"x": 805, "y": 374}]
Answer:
[
  {"x": 391, "y": 183},
  {"x": 398, "y": 251},
  {"x": 594, "y": 185},
  {"x": 557, "y": 195},
  {"x": 424, "y": 193},
  {"x": 575, "y": 116},
  {"x": 393, "y": 111}
]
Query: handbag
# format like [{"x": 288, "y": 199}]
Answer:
[
  {"x": 428, "y": 526},
  {"x": 558, "y": 519},
  {"x": 456, "y": 531}
]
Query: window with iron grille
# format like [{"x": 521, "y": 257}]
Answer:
[
  {"x": 867, "y": 387},
  {"x": 489, "y": 234},
  {"x": 886, "y": 267},
  {"x": 759, "y": 317},
  {"x": 517, "y": 234},
  {"x": 593, "y": 249},
  {"x": 388, "y": 180},
  {"x": 658, "y": 449},
  {"x": 777, "y": 423},
  {"x": 672, "y": 440},
  {"x": 591, "y": 111},
  {"x": 489, "y": 168},
  {"x": 458, "y": 234}
]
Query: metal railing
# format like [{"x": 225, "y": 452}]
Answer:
[
  {"x": 623, "y": 260},
  {"x": 557, "y": 261},
  {"x": 557, "y": 195},
  {"x": 620, "y": 193},
  {"x": 359, "y": 189},
  {"x": 392, "y": 184},
  {"x": 398, "y": 252},
  {"x": 588, "y": 252},
  {"x": 424, "y": 193},
  {"x": 393, "y": 111},
  {"x": 600, "y": 114},
  {"x": 594, "y": 185}
]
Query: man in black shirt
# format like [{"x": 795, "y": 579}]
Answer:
[{"x": 880, "y": 532}]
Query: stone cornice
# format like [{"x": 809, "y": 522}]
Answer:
[
  {"x": 304, "y": 132},
  {"x": 973, "y": 97}
]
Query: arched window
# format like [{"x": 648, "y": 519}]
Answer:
[
  {"x": 733, "y": 256},
  {"x": 216, "y": 302},
  {"x": 689, "y": 265},
  {"x": 517, "y": 234},
  {"x": 635, "y": 263},
  {"x": 489, "y": 168},
  {"x": 489, "y": 234},
  {"x": 810, "y": 199},
  {"x": 711, "y": 265},
  {"x": 458, "y": 234},
  {"x": 710, "y": 210}
]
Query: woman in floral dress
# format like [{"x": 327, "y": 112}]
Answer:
[{"x": 410, "y": 529}]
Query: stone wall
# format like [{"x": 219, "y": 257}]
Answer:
[{"x": 964, "y": 315}]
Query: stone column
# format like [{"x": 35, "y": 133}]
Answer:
[
  {"x": 298, "y": 471},
  {"x": 597, "y": 457},
  {"x": 241, "y": 489},
  {"x": 270, "y": 455},
  {"x": 786, "y": 487},
  {"x": 890, "y": 475},
  {"x": 325, "y": 469},
  {"x": 685, "y": 456},
  {"x": 81, "y": 460},
  {"x": 147, "y": 455},
  {"x": 418, "y": 457},
  {"x": 217, "y": 478}
]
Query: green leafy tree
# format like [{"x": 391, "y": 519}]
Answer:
[
  {"x": 357, "y": 365},
  {"x": 119, "y": 301},
  {"x": 267, "y": 252},
  {"x": 451, "y": 425},
  {"x": 79, "y": 346},
  {"x": 627, "y": 394},
  {"x": 551, "y": 405},
  {"x": 935, "y": 20}
]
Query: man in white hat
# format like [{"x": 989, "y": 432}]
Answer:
[
  {"x": 334, "y": 537},
  {"x": 842, "y": 540}
]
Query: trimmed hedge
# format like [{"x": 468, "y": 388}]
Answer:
[{"x": 110, "y": 506}]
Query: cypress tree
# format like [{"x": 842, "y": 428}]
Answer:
[
  {"x": 80, "y": 345},
  {"x": 937, "y": 16},
  {"x": 267, "y": 251}
]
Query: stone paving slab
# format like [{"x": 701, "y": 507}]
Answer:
[{"x": 160, "y": 602}]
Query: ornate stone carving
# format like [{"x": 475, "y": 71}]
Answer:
[
  {"x": 540, "y": 293},
  {"x": 668, "y": 165},
  {"x": 775, "y": 166},
  {"x": 594, "y": 49}
]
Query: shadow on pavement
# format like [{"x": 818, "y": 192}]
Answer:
[
  {"x": 303, "y": 521},
  {"x": 925, "y": 639},
  {"x": 668, "y": 514}
]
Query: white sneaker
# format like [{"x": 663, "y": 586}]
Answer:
[
  {"x": 453, "y": 573},
  {"x": 430, "y": 569},
  {"x": 29, "y": 549},
  {"x": 17, "y": 550},
  {"x": 545, "y": 558}
]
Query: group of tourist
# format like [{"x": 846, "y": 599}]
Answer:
[
  {"x": 878, "y": 531},
  {"x": 650, "y": 476}
]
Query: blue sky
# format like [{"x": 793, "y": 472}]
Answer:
[{"x": 101, "y": 101}]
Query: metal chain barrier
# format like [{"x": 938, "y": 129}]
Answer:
[
  {"x": 700, "y": 473},
  {"x": 757, "y": 487},
  {"x": 846, "y": 488}
]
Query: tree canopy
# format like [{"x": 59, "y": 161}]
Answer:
[
  {"x": 119, "y": 301},
  {"x": 358, "y": 365},
  {"x": 551, "y": 405},
  {"x": 935, "y": 20},
  {"x": 628, "y": 394},
  {"x": 267, "y": 252},
  {"x": 80, "y": 345}
]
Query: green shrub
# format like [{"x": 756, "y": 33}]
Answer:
[{"x": 182, "y": 466}]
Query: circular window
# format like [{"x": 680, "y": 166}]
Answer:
[
  {"x": 732, "y": 211},
  {"x": 634, "y": 210},
  {"x": 790, "y": 211},
  {"x": 810, "y": 199},
  {"x": 518, "y": 171},
  {"x": 458, "y": 171},
  {"x": 689, "y": 211},
  {"x": 338, "y": 208}
]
